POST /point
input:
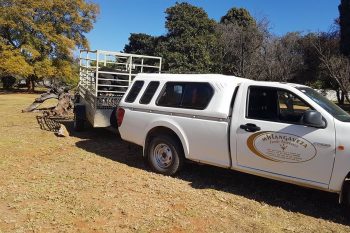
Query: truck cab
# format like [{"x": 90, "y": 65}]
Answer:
[{"x": 282, "y": 131}]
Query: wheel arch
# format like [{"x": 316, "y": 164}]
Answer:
[
  {"x": 161, "y": 129},
  {"x": 341, "y": 194}
]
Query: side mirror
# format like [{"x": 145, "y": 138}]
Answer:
[{"x": 314, "y": 119}]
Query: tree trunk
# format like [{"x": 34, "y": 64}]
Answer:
[
  {"x": 38, "y": 101},
  {"x": 342, "y": 98},
  {"x": 345, "y": 96},
  {"x": 65, "y": 101},
  {"x": 241, "y": 72},
  {"x": 338, "y": 95},
  {"x": 31, "y": 84},
  {"x": 64, "y": 104}
]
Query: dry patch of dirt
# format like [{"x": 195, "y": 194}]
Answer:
[{"x": 94, "y": 182}]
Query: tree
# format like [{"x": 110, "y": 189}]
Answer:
[
  {"x": 310, "y": 73},
  {"x": 37, "y": 38},
  {"x": 335, "y": 65},
  {"x": 140, "y": 43},
  {"x": 340, "y": 64},
  {"x": 8, "y": 82},
  {"x": 240, "y": 39},
  {"x": 282, "y": 58},
  {"x": 239, "y": 49},
  {"x": 188, "y": 45},
  {"x": 344, "y": 22},
  {"x": 238, "y": 16}
]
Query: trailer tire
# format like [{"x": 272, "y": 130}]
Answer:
[
  {"x": 79, "y": 117},
  {"x": 165, "y": 155}
]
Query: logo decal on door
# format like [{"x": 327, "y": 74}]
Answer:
[{"x": 281, "y": 147}]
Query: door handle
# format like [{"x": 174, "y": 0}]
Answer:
[{"x": 249, "y": 127}]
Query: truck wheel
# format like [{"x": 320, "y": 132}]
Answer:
[
  {"x": 346, "y": 196},
  {"x": 113, "y": 119},
  {"x": 79, "y": 117},
  {"x": 165, "y": 155}
]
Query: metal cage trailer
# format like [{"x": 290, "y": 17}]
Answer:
[{"x": 104, "y": 78}]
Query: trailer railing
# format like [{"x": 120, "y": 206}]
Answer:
[{"x": 106, "y": 75}]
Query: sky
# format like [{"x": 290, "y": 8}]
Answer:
[{"x": 119, "y": 18}]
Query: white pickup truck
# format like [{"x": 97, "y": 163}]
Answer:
[{"x": 282, "y": 131}]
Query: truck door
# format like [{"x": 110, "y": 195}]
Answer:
[{"x": 272, "y": 140}]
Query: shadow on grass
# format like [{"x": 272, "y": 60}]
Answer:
[
  {"x": 20, "y": 91},
  {"x": 289, "y": 197},
  {"x": 101, "y": 141},
  {"x": 50, "y": 124}
]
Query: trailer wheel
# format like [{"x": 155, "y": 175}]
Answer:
[
  {"x": 165, "y": 155},
  {"x": 79, "y": 117}
]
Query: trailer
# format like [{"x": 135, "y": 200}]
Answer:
[{"x": 104, "y": 77}]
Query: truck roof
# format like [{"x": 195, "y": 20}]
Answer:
[
  {"x": 227, "y": 79},
  {"x": 194, "y": 77}
]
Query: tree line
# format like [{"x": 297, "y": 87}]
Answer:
[
  {"x": 243, "y": 46},
  {"x": 38, "y": 38}
]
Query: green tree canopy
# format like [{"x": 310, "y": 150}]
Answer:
[
  {"x": 38, "y": 37},
  {"x": 186, "y": 19},
  {"x": 188, "y": 44},
  {"x": 141, "y": 43},
  {"x": 190, "y": 39},
  {"x": 239, "y": 16}
]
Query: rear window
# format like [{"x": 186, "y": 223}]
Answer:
[
  {"x": 149, "y": 92},
  {"x": 134, "y": 92},
  {"x": 192, "y": 95}
]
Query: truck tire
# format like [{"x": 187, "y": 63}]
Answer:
[
  {"x": 113, "y": 119},
  {"x": 79, "y": 117},
  {"x": 165, "y": 155},
  {"x": 346, "y": 197}
]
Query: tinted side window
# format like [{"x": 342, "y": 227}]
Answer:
[
  {"x": 275, "y": 105},
  {"x": 262, "y": 103},
  {"x": 135, "y": 90},
  {"x": 197, "y": 95},
  {"x": 171, "y": 95},
  {"x": 291, "y": 107},
  {"x": 149, "y": 92},
  {"x": 186, "y": 95}
]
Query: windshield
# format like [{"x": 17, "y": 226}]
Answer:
[{"x": 326, "y": 104}]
